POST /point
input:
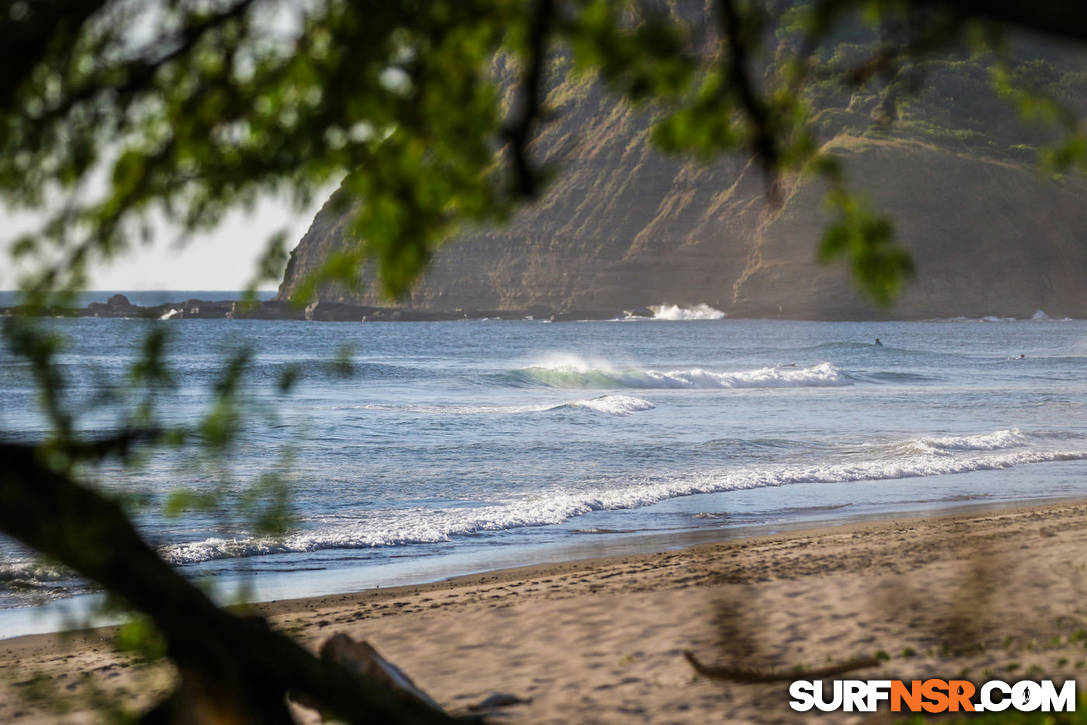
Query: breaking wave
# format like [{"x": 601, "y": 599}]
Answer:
[
  {"x": 675, "y": 312},
  {"x": 997, "y": 440},
  {"x": 985, "y": 452},
  {"x": 609, "y": 404},
  {"x": 576, "y": 374},
  {"x": 32, "y": 573},
  {"x": 27, "y": 583},
  {"x": 947, "y": 445}
]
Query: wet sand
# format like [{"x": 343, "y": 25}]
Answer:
[{"x": 981, "y": 595}]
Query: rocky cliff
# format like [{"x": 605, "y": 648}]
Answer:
[{"x": 626, "y": 227}]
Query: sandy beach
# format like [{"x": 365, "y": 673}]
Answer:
[{"x": 987, "y": 594}]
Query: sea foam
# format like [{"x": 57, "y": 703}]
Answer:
[
  {"x": 609, "y": 404},
  {"x": 675, "y": 312},
  {"x": 580, "y": 375},
  {"x": 997, "y": 440},
  {"x": 32, "y": 573}
]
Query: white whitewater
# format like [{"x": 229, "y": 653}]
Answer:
[
  {"x": 572, "y": 372},
  {"x": 700, "y": 311},
  {"x": 609, "y": 404},
  {"x": 917, "y": 458},
  {"x": 455, "y": 440}
]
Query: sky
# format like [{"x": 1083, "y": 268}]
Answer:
[{"x": 220, "y": 259}]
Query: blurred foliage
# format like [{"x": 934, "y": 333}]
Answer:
[
  {"x": 118, "y": 115},
  {"x": 140, "y": 637},
  {"x": 866, "y": 240}
]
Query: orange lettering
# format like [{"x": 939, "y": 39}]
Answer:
[
  {"x": 911, "y": 696},
  {"x": 934, "y": 691},
  {"x": 959, "y": 694}
]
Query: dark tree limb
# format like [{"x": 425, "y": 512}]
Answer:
[
  {"x": 137, "y": 75},
  {"x": 519, "y": 128},
  {"x": 754, "y": 676},
  {"x": 25, "y": 42},
  {"x": 739, "y": 42},
  {"x": 232, "y": 667}
]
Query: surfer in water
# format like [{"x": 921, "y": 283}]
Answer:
[{"x": 878, "y": 343}]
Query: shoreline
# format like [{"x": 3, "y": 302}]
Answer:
[
  {"x": 693, "y": 540},
  {"x": 119, "y": 307},
  {"x": 756, "y": 535},
  {"x": 602, "y": 638},
  {"x": 436, "y": 573}
]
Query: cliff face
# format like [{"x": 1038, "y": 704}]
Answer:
[{"x": 625, "y": 227}]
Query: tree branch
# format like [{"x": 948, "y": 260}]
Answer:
[
  {"x": 136, "y": 75},
  {"x": 229, "y": 664},
  {"x": 739, "y": 50},
  {"x": 518, "y": 130},
  {"x": 28, "y": 41}
]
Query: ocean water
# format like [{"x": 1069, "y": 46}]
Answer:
[{"x": 463, "y": 446}]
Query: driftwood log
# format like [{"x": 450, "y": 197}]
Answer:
[{"x": 362, "y": 659}]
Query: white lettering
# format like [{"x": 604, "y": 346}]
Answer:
[
  {"x": 878, "y": 691},
  {"x": 853, "y": 696},
  {"x": 1026, "y": 696},
  {"x": 834, "y": 703},
  {"x": 1063, "y": 701},
  {"x": 987, "y": 700},
  {"x": 803, "y": 694}
]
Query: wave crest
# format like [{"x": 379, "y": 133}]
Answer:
[
  {"x": 1000, "y": 440},
  {"x": 997, "y": 440},
  {"x": 581, "y": 376},
  {"x": 415, "y": 527},
  {"x": 610, "y": 404},
  {"x": 32, "y": 573}
]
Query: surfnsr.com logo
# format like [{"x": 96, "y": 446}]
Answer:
[{"x": 932, "y": 695}]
